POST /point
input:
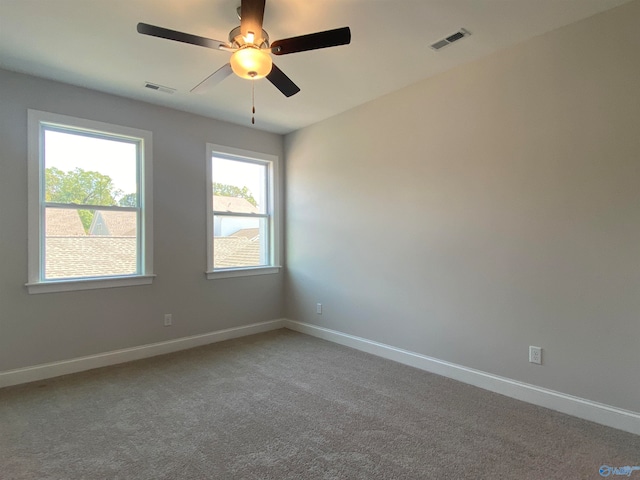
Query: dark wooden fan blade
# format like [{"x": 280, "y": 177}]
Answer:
[
  {"x": 313, "y": 41},
  {"x": 251, "y": 15},
  {"x": 213, "y": 79},
  {"x": 282, "y": 82},
  {"x": 152, "y": 30}
]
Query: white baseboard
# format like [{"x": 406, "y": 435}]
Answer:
[
  {"x": 579, "y": 407},
  {"x": 74, "y": 365}
]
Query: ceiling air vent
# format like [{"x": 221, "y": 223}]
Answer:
[
  {"x": 463, "y": 32},
  {"x": 159, "y": 88}
]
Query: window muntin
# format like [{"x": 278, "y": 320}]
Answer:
[
  {"x": 242, "y": 221},
  {"x": 89, "y": 203}
]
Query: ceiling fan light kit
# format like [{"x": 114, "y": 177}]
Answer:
[
  {"x": 251, "y": 52},
  {"x": 251, "y": 63}
]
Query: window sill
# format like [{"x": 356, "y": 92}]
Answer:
[
  {"x": 242, "y": 272},
  {"x": 52, "y": 286}
]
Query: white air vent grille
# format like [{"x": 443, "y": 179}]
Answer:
[
  {"x": 463, "y": 32},
  {"x": 159, "y": 88}
]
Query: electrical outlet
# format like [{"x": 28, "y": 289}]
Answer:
[
  {"x": 168, "y": 319},
  {"x": 319, "y": 308},
  {"x": 535, "y": 355}
]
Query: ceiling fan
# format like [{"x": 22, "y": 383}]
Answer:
[{"x": 250, "y": 48}]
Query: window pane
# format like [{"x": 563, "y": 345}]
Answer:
[
  {"x": 239, "y": 242},
  {"x": 89, "y": 170},
  {"x": 106, "y": 247},
  {"x": 239, "y": 187}
]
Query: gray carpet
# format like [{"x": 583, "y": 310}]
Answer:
[{"x": 283, "y": 405}]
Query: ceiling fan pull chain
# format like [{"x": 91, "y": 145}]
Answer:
[{"x": 253, "y": 102}]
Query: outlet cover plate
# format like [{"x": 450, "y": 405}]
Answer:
[{"x": 535, "y": 355}]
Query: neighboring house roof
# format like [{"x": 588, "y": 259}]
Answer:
[
  {"x": 248, "y": 233},
  {"x": 114, "y": 224},
  {"x": 233, "y": 204},
  {"x": 89, "y": 256},
  {"x": 236, "y": 252},
  {"x": 63, "y": 222},
  {"x": 110, "y": 248}
]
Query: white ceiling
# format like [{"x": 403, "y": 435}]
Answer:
[{"x": 94, "y": 43}]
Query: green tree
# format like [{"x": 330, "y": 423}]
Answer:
[
  {"x": 81, "y": 187},
  {"x": 225, "y": 190},
  {"x": 129, "y": 200}
]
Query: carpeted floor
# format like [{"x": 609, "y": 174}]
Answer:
[{"x": 283, "y": 405}]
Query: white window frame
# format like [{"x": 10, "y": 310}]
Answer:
[
  {"x": 272, "y": 211},
  {"x": 38, "y": 121}
]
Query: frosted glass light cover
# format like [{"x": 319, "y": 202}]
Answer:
[{"x": 251, "y": 63}]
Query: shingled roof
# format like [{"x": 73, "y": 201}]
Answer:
[
  {"x": 248, "y": 233},
  {"x": 241, "y": 249},
  {"x": 110, "y": 247},
  {"x": 114, "y": 224},
  {"x": 63, "y": 222},
  {"x": 89, "y": 256},
  {"x": 233, "y": 204}
]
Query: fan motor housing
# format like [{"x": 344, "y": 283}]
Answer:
[{"x": 237, "y": 40}]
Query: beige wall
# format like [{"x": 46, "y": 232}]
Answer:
[
  {"x": 490, "y": 208},
  {"x": 43, "y": 328}
]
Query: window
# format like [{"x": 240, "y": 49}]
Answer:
[
  {"x": 89, "y": 204},
  {"x": 243, "y": 229}
]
